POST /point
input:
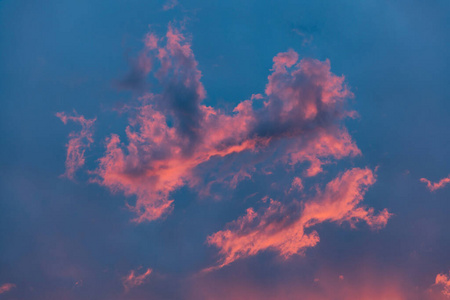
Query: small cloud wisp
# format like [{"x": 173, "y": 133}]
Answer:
[{"x": 78, "y": 142}]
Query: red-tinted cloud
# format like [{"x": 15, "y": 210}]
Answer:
[
  {"x": 443, "y": 280},
  {"x": 436, "y": 185},
  {"x": 173, "y": 133},
  {"x": 287, "y": 228},
  {"x": 6, "y": 287},
  {"x": 133, "y": 279},
  {"x": 78, "y": 142}
]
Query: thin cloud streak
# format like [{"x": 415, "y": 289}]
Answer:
[
  {"x": 433, "y": 186},
  {"x": 78, "y": 142}
]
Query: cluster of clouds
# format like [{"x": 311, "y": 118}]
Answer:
[
  {"x": 172, "y": 133},
  {"x": 173, "y": 140}
]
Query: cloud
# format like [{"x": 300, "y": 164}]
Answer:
[
  {"x": 288, "y": 228},
  {"x": 6, "y": 287},
  {"x": 140, "y": 67},
  {"x": 133, "y": 280},
  {"x": 436, "y": 185},
  {"x": 170, "y": 4},
  {"x": 172, "y": 133},
  {"x": 78, "y": 142},
  {"x": 297, "y": 184},
  {"x": 443, "y": 280}
]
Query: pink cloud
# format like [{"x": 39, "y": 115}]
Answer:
[
  {"x": 6, "y": 287},
  {"x": 303, "y": 104},
  {"x": 436, "y": 185},
  {"x": 287, "y": 228},
  {"x": 297, "y": 184},
  {"x": 78, "y": 142},
  {"x": 331, "y": 143},
  {"x": 443, "y": 280},
  {"x": 133, "y": 279}
]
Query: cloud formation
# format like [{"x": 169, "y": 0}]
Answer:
[
  {"x": 172, "y": 133},
  {"x": 443, "y": 280},
  {"x": 78, "y": 142},
  {"x": 287, "y": 228},
  {"x": 297, "y": 184},
  {"x": 6, "y": 287},
  {"x": 436, "y": 185},
  {"x": 170, "y": 4},
  {"x": 132, "y": 280}
]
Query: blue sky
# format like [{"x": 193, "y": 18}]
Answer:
[{"x": 76, "y": 239}]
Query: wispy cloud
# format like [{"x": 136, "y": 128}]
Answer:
[
  {"x": 6, "y": 287},
  {"x": 297, "y": 184},
  {"x": 170, "y": 4},
  {"x": 432, "y": 186},
  {"x": 78, "y": 142},
  {"x": 134, "y": 279}
]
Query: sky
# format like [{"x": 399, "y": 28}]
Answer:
[{"x": 224, "y": 150}]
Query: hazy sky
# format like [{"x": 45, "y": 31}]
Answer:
[{"x": 224, "y": 149}]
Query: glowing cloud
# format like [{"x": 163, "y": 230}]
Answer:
[
  {"x": 78, "y": 142},
  {"x": 132, "y": 280},
  {"x": 436, "y": 185},
  {"x": 6, "y": 287},
  {"x": 443, "y": 280},
  {"x": 172, "y": 133},
  {"x": 287, "y": 229}
]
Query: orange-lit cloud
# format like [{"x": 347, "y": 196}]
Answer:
[
  {"x": 133, "y": 279},
  {"x": 436, "y": 185},
  {"x": 78, "y": 142},
  {"x": 443, "y": 280},
  {"x": 287, "y": 228},
  {"x": 6, "y": 287},
  {"x": 173, "y": 133}
]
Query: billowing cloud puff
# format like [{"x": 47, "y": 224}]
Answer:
[
  {"x": 173, "y": 133},
  {"x": 443, "y": 280},
  {"x": 432, "y": 186},
  {"x": 132, "y": 280},
  {"x": 6, "y": 287},
  {"x": 288, "y": 228},
  {"x": 78, "y": 142}
]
